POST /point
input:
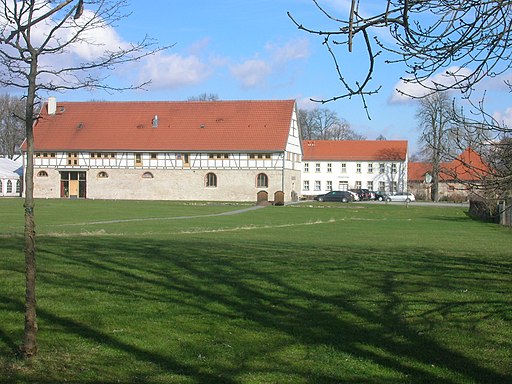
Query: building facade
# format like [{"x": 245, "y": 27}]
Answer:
[
  {"x": 215, "y": 150},
  {"x": 379, "y": 165}
]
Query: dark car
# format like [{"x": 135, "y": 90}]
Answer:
[
  {"x": 340, "y": 196},
  {"x": 379, "y": 195}
]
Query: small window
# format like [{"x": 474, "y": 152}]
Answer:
[
  {"x": 9, "y": 186},
  {"x": 318, "y": 185},
  {"x": 154, "y": 156},
  {"x": 306, "y": 185},
  {"x": 317, "y": 167},
  {"x": 211, "y": 180},
  {"x": 370, "y": 167},
  {"x": 306, "y": 167},
  {"x": 358, "y": 168},
  {"x": 393, "y": 168},
  {"x": 382, "y": 168},
  {"x": 138, "y": 160},
  {"x": 329, "y": 167},
  {"x": 18, "y": 186},
  {"x": 329, "y": 185},
  {"x": 343, "y": 167},
  {"x": 147, "y": 175},
  {"x": 42, "y": 174},
  {"x": 262, "y": 181},
  {"x": 103, "y": 175}
]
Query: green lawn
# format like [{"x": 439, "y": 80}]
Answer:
[{"x": 165, "y": 292}]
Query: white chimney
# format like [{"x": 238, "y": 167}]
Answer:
[{"x": 52, "y": 105}]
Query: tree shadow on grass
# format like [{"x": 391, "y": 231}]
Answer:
[{"x": 354, "y": 302}]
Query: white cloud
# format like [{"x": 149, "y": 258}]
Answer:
[
  {"x": 172, "y": 71},
  {"x": 504, "y": 117},
  {"x": 251, "y": 72},
  {"x": 254, "y": 72},
  {"x": 293, "y": 50},
  {"x": 404, "y": 89}
]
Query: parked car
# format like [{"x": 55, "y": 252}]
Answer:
[
  {"x": 379, "y": 195},
  {"x": 355, "y": 196},
  {"x": 341, "y": 196},
  {"x": 363, "y": 194},
  {"x": 401, "y": 196}
]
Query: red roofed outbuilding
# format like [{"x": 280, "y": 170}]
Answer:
[{"x": 457, "y": 178}]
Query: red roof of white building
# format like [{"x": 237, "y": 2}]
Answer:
[
  {"x": 355, "y": 150},
  {"x": 180, "y": 126}
]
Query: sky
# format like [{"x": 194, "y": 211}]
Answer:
[{"x": 251, "y": 50}]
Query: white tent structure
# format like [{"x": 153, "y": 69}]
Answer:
[{"x": 11, "y": 172}]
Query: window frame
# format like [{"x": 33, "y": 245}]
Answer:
[
  {"x": 210, "y": 180},
  {"x": 262, "y": 180}
]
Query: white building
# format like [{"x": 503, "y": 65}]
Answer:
[
  {"x": 11, "y": 172},
  {"x": 379, "y": 165},
  {"x": 208, "y": 150}
]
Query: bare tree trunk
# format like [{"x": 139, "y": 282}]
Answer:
[{"x": 29, "y": 346}]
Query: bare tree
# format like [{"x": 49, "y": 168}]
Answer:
[
  {"x": 204, "y": 97},
  {"x": 473, "y": 37},
  {"x": 12, "y": 130},
  {"x": 324, "y": 124},
  {"x": 33, "y": 34},
  {"x": 435, "y": 118}
]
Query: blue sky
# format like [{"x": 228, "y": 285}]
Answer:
[{"x": 247, "y": 49}]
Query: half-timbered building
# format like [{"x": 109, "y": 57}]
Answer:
[{"x": 206, "y": 150}]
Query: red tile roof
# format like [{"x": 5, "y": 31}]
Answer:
[
  {"x": 353, "y": 150},
  {"x": 468, "y": 166},
  {"x": 182, "y": 126}
]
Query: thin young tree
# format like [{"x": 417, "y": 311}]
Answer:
[{"x": 37, "y": 39}]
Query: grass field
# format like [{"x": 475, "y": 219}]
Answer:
[{"x": 163, "y": 292}]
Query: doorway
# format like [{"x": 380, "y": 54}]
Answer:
[{"x": 73, "y": 185}]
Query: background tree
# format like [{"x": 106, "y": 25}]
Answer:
[
  {"x": 33, "y": 34},
  {"x": 324, "y": 124},
  {"x": 435, "y": 120},
  {"x": 204, "y": 97},
  {"x": 381, "y": 137},
  {"x": 12, "y": 130}
]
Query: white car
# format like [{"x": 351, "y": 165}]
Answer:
[
  {"x": 401, "y": 196},
  {"x": 356, "y": 196}
]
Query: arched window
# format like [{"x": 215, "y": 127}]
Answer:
[
  {"x": 262, "y": 181},
  {"x": 18, "y": 186},
  {"x": 42, "y": 174},
  {"x": 9, "y": 186},
  {"x": 211, "y": 180},
  {"x": 147, "y": 175},
  {"x": 1, "y": 187},
  {"x": 102, "y": 175}
]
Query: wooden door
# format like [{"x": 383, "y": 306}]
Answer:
[{"x": 73, "y": 188}]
